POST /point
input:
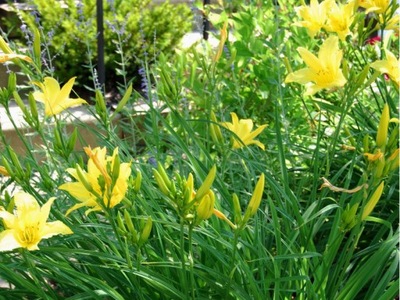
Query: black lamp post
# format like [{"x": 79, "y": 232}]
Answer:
[
  {"x": 100, "y": 43},
  {"x": 206, "y": 23}
]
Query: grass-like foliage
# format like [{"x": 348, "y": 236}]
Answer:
[{"x": 263, "y": 168}]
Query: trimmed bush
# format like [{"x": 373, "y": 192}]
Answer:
[{"x": 134, "y": 31}]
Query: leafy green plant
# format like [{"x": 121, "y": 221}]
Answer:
[{"x": 221, "y": 200}]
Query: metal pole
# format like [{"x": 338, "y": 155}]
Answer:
[
  {"x": 206, "y": 22},
  {"x": 100, "y": 43}
]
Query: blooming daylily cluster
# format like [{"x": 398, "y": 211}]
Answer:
[
  {"x": 323, "y": 72},
  {"x": 338, "y": 18},
  {"x": 103, "y": 185},
  {"x": 327, "y": 15}
]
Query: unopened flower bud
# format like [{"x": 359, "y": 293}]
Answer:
[
  {"x": 373, "y": 200},
  {"x": 144, "y": 235},
  {"x": 382, "y": 133},
  {"x": 205, "y": 187},
  {"x": 205, "y": 209}
]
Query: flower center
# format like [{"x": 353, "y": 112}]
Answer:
[{"x": 28, "y": 235}]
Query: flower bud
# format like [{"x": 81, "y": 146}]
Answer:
[
  {"x": 36, "y": 46},
  {"x": 12, "y": 82},
  {"x": 138, "y": 181},
  {"x": 255, "y": 199},
  {"x": 161, "y": 184},
  {"x": 237, "y": 212},
  {"x": 144, "y": 235},
  {"x": 204, "y": 188},
  {"x": 382, "y": 133},
  {"x": 205, "y": 209},
  {"x": 120, "y": 223},
  {"x": 349, "y": 217},
  {"x": 129, "y": 225},
  {"x": 373, "y": 200},
  {"x": 215, "y": 130},
  {"x": 164, "y": 175},
  {"x": 82, "y": 178}
]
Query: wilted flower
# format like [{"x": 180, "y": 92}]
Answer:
[
  {"x": 106, "y": 180},
  {"x": 27, "y": 226},
  {"x": 340, "y": 18},
  {"x": 314, "y": 16},
  {"x": 55, "y": 99},
  {"x": 3, "y": 171},
  {"x": 7, "y": 57},
  {"x": 242, "y": 128},
  {"x": 389, "y": 66},
  {"x": 8, "y": 54},
  {"x": 322, "y": 72}
]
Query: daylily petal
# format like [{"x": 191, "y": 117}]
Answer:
[
  {"x": 301, "y": 76},
  {"x": 256, "y": 132},
  {"x": 312, "y": 89},
  {"x": 78, "y": 191},
  {"x": 310, "y": 59},
  {"x": 45, "y": 210},
  {"x": 25, "y": 204},
  {"x": 66, "y": 90},
  {"x": 8, "y": 218},
  {"x": 8, "y": 241},
  {"x": 54, "y": 228}
]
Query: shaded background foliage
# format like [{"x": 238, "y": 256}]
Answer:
[{"x": 135, "y": 31}]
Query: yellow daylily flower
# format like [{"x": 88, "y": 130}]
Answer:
[
  {"x": 314, "y": 16},
  {"x": 389, "y": 66},
  {"x": 394, "y": 24},
  {"x": 28, "y": 225},
  {"x": 340, "y": 18},
  {"x": 322, "y": 72},
  {"x": 242, "y": 128},
  {"x": 55, "y": 99},
  {"x": 106, "y": 180},
  {"x": 376, "y": 6}
]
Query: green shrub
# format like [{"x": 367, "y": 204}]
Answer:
[{"x": 134, "y": 30}]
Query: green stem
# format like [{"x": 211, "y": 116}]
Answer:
[
  {"x": 183, "y": 260},
  {"x": 192, "y": 282},
  {"x": 233, "y": 260}
]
